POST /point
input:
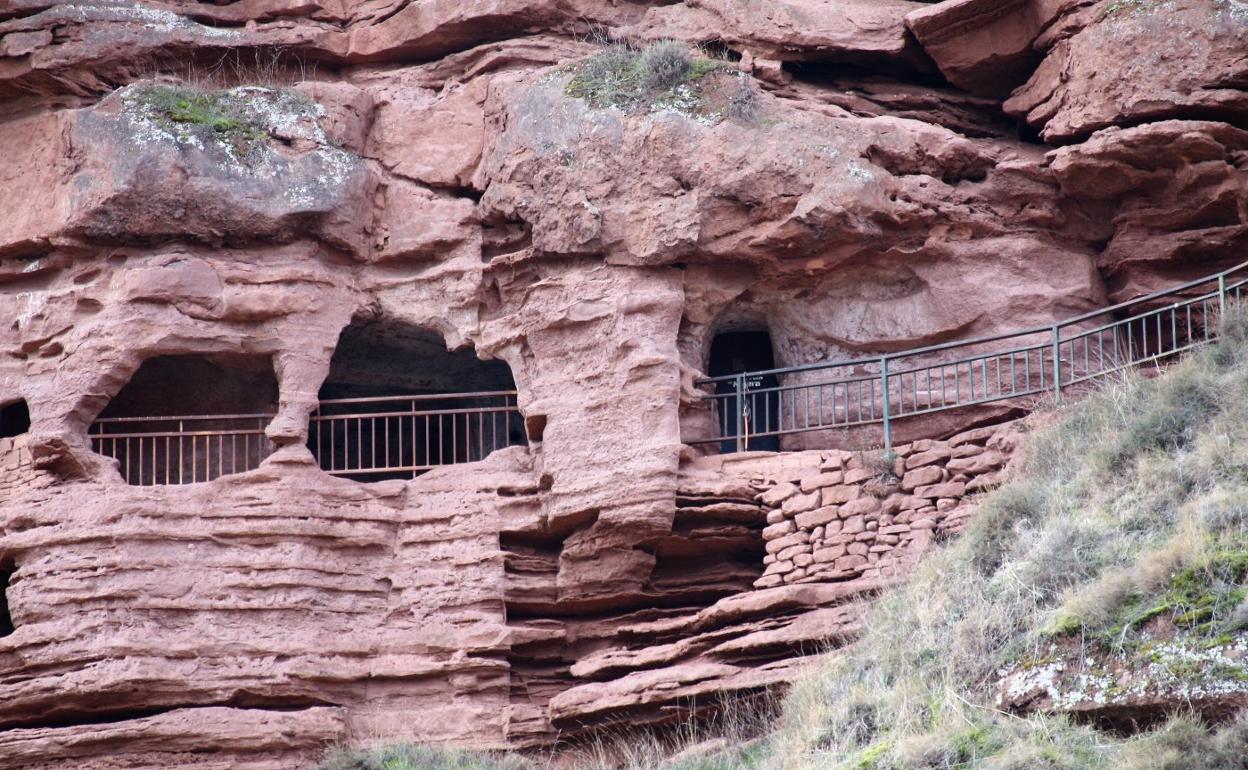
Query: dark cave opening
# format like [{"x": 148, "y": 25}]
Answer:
[
  {"x": 14, "y": 419},
  {"x": 183, "y": 419},
  {"x": 397, "y": 402},
  {"x": 6, "y": 617},
  {"x": 736, "y": 352}
]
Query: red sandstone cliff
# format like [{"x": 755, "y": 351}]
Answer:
[{"x": 909, "y": 173}]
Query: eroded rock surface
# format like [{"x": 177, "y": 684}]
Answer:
[{"x": 852, "y": 177}]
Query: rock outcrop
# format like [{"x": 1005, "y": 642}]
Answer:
[{"x": 245, "y": 179}]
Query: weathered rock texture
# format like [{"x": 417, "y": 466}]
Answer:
[{"x": 907, "y": 173}]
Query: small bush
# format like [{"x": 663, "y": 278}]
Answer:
[
  {"x": 664, "y": 65},
  {"x": 743, "y": 102}
]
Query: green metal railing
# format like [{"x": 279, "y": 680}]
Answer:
[{"x": 878, "y": 390}]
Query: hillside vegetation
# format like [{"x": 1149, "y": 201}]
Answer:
[{"x": 1121, "y": 543}]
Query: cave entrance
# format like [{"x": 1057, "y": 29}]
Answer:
[
  {"x": 735, "y": 352},
  {"x": 6, "y": 617},
  {"x": 397, "y": 403},
  {"x": 14, "y": 419},
  {"x": 187, "y": 418}
]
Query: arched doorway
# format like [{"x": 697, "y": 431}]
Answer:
[
  {"x": 183, "y": 419},
  {"x": 737, "y": 352},
  {"x": 6, "y": 617},
  {"x": 14, "y": 419},
  {"x": 397, "y": 403}
]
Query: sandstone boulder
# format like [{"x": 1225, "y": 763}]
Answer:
[{"x": 1137, "y": 62}]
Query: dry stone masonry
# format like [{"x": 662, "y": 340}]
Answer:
[{"x": 855, "y": 515}]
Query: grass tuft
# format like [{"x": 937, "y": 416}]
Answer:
[
  {"x": 406, "y": 756},
  {"x": 665, "y": 64}
]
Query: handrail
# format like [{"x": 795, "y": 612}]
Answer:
[
  {"x": 353, "y": 437},
  {"x": 873, "y": 390}
]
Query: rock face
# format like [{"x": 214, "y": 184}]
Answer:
[{"x": 244, "y": 181}]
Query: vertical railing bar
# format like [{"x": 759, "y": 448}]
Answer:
[
  {"x": 884, "y": 387},
  {"x": 739, "y": 409},
  {"x": 1221, "y": 298},
  {"x": 1057, "y": 362},
  {"x": 1160, "y": 344},
  {"x": 766, "y": 414}
]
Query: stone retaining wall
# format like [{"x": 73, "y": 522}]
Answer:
[
  {"x": 871, "y": 516},
  {"x": 17, "y": 469}
]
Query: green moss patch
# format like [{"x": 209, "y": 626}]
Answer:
[
  {"x": 220, "y": 115},
  {"x": 1199, "y": 600}
]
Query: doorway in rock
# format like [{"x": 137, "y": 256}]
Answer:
[
  {"x": 397, "y": 403},
  {"x": 183, "y": 419},
  {"x": 6, "y": 617},
  {"x": 14, "y": 419},
  {"x": 734, "y": 352}
]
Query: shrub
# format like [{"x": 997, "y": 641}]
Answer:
[
  {"x": 743, "y": 102},
  {"x": 664, "y": 65}
]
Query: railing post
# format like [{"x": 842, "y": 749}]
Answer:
[
  {"x": 1057, "y": 361},
  {"x": 1221, "y": 299},
  {"x": 888, "y": 427},
  {"x": 739, "y": 385}
]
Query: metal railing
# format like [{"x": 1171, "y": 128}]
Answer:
[
  {"x": 406, "y": 435},
  {"x": 361, "y": 438},
  {"x": 183, "y": 449},
  {"x": 839, "y": 395}
]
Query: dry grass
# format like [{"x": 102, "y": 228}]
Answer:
[{"x": 726, "y": 735}]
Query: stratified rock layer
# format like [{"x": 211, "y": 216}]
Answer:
[{"x": 852, "y": 177}]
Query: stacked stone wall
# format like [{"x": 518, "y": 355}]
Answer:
[
  {"x": 17, "y": 468},
  {"x": 861, "y": 515}
]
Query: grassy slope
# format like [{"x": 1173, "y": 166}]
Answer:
[{"x": 1126, "y": 524}]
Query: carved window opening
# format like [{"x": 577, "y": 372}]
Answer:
[
  {"x": 735, "y": 352},
  {"x": 14, "y": 419},
  {"x": 6, "y": 617},
  {"x": 398, "y": 403},
  {"x": 186, "y": 418}
]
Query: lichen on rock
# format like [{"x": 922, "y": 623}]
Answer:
[{"x": 244, "y": 123}]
